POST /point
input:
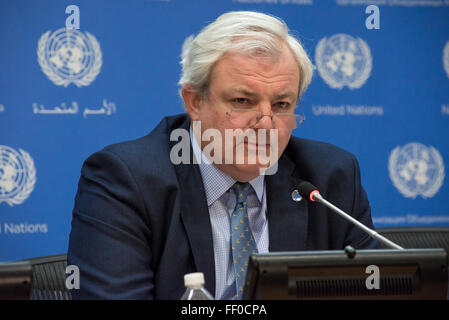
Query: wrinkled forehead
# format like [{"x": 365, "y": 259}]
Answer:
[{"x": 237, "y": 69}]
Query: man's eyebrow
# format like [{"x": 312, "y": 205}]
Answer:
[
  {"x": 248, "y": 93},
  {"x": 244, "y": 91},
  {"x": 288, "y": 94}
]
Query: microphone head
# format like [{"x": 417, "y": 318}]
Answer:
[{"x": 305, "y": 189}]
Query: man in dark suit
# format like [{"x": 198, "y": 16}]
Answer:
[{"x": 142, "y": 220}]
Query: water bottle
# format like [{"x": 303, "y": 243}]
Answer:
[{"x": 194, "y": 283}]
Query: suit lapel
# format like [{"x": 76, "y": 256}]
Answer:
[
  {"x": 287, "y": 219},
  {"x": 195, "y": 216}
]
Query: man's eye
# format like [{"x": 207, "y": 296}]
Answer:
[
  {"x": 282, "y": 105},
  {"x": 241, "y": 101}
]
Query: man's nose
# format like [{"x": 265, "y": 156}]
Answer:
[{"x": 265, "y": 121}]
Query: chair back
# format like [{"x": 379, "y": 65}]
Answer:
[
  {"x": 418, "y": 237},
  {"x": 49, "y": 278}
]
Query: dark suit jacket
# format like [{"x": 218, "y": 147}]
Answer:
[{"x": 140, "y": 223}]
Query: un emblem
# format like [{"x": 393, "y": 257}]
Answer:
[
  {"x": 343, "y": 61},
  {"x": 446, "y": 58},
  {"x": 416, "y": 170},
  {"x": 69, "y": 56},
  {"x": 17, "y": 175}
]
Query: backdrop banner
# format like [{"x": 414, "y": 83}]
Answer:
[{"x": 78, "y": 76}]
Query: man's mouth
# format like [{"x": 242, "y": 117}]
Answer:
[{"x": 257, "y": 145}]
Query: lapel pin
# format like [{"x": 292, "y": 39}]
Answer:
[{"x": 296, "y": 196}]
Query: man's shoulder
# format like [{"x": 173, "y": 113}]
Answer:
[
  {"x": 315, "y": 146},
  {"x": 150, "y": 151},
  {"x": 317, "y": 154},
  {"x": 153, "y": 144}
]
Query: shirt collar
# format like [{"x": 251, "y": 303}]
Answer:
[{"x": 215, "y": 181}]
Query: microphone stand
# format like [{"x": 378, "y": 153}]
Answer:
[{"x": 317, "y": 197}]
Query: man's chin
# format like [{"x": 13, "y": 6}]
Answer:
[{"x": 244, "y": 172}]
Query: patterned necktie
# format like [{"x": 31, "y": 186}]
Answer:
[{"x": 242, "y": 240}]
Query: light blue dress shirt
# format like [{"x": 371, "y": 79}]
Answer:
[{"x": 221, "y": 202}]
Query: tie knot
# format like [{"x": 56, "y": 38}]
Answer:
[{"x": 241, "y": 191}]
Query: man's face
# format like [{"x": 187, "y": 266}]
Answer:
[{"x": 242, "y": 82}]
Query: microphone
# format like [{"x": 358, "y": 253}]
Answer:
[{"x": 310, "y": 192}]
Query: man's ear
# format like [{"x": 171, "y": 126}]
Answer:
[{"x": 192, "y": 101}]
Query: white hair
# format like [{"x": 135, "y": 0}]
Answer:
[{"x": 246, "y": 32}]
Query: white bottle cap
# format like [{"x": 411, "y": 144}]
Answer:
[{"x": 195, "y": 279}]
